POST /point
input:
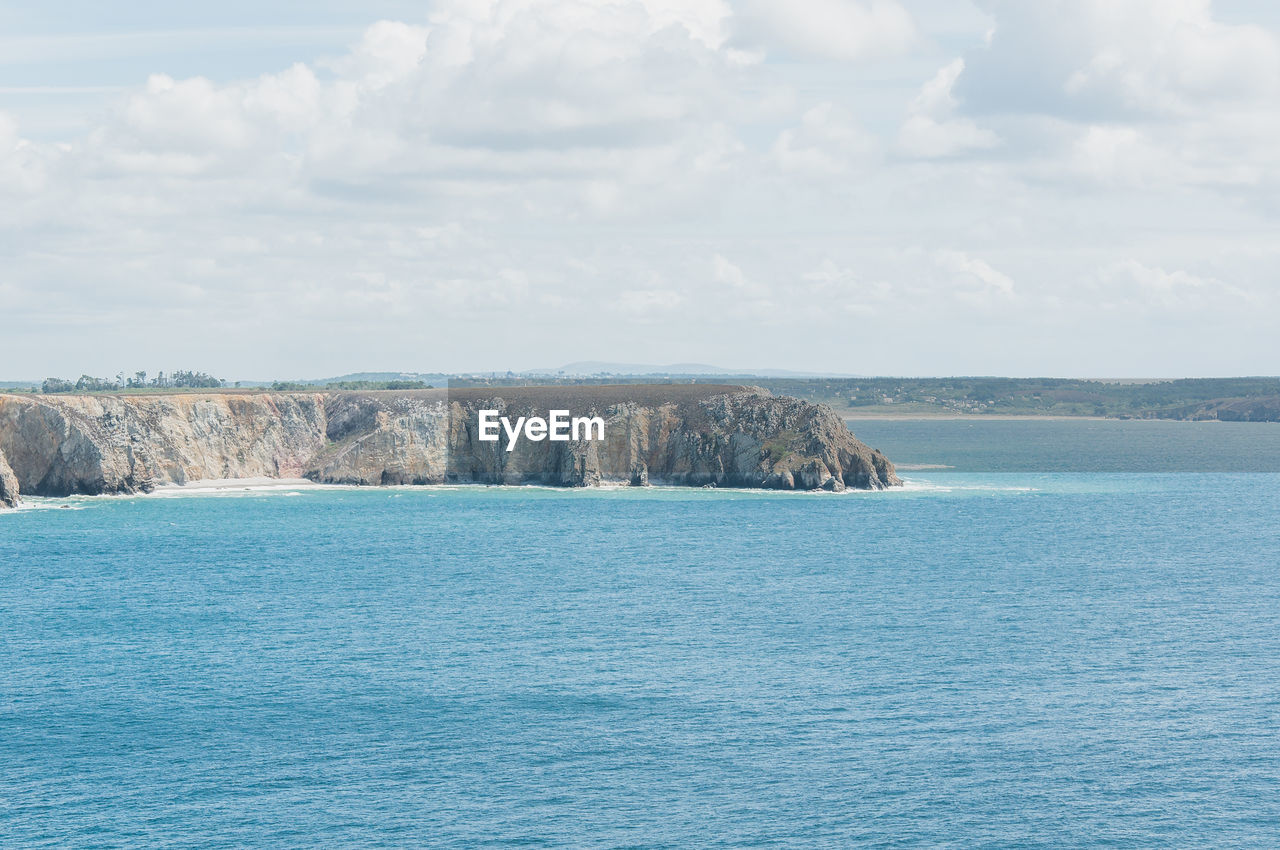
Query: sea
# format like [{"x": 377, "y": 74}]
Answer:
[{"x": 1057, "y": 634}]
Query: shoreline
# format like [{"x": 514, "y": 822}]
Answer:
[
  {"x": 220, "y": 485},
  {"x": 284, "y": 486},
  {"x": 987, "y": 417},
  {"x": 1020, "y": 417}
]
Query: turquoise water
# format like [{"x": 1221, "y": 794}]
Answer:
[{"x": 1011, "y": 659}]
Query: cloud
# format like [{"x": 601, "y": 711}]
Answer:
[
  {"x": 388, "y": 51},
  {"x": 22, "y": 169},
  {"x": 842, "y": 30},
  {"x": 827, "y": 142},
  {"x": 1130, "y": 285},
  {"x": 481, "y": 82},
  {"x": 723, "y": 271},
  {"x": 932, "y": 128},
  {"x": 1096, "y": 59},
  {"x": 973, "y": 279},
  {"x": 1117, "y": 93},
  {"x": 685, "y": 172},
  {"x": 833, "y": 287},
  {"x": 643, "y": 302}
]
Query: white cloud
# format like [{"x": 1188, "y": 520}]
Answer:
[
  {"x": 723, "y": 271},
  {"x": 699, "y": 180},
  {"x": 21, "y": 168},
  {"x": 932, "y": 128},
  {"x": 827, "y": 142},
  {"x": 831, "y": 287},
  {"x": 1123, "y": 93},
  {"x": 973, "y": 279},
  {"x": 1124, "y": 155},
  {"x": 482, "y": 81},
  {"x": 1099, "y": 58},
  {"x": 843, "y": 30},
  {"x": 389, "y": 51},
  {"x": 643, "y": 302},
  {"x": 1133, "y": 286},
  {"x": 1170, "y": 55}
]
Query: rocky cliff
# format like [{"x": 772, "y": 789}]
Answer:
[
  {"x": 1257, "y": 409},
  {"x": 686, "y": 435},
  {"x": 60, "y": 445},
  {"x": 8, "y": 485}
]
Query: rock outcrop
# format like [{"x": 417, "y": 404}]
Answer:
[
  {"x": 1258, "y": 409},
  {"x": 691, "y": 435},
  {"x": 8, "y": 485},
  {"x": 683, "y": 435},
  {"x": 384, "y": 438},
  {"x": 61, "y": 445}
]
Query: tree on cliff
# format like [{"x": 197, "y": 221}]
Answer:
[
  {"x": 56, "y": 385},
  {"x": 90, "y": 384},
  {"x": 195, "y": 380}
]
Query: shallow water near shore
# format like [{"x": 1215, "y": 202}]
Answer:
[{"x": 1014, "y": 658}]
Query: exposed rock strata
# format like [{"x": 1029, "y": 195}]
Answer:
[
  {"x": 8, "y": 485},
  {"x": 685, "y": 435},
  {"x": 729, "y": 437},
  {"x": 384, "y": 438},
  {"x": 62, "y": 445}
]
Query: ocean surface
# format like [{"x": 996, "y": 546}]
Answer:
[
  {"x": 1042, "y": 657},
  {"x": 1076, "y": 445}
]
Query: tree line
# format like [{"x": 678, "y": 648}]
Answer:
[{"x": 138, "y": 381}]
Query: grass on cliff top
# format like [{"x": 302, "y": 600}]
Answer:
[{"x": 647, "y": 395}]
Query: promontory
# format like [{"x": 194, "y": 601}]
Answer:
[{"x": 690, "y": 435}]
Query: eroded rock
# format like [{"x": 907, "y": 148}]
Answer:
[
  {"x": 689, "y": 435},
  {"x": 8, "y": 485}
]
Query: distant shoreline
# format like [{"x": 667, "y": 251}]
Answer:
[
  {"x": 1018, "y": 417},
  {"x": 988, "y": 417}
]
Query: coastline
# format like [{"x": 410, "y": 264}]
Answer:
[
  {"x": 849, "y": 416},
  {"x": 216, "y": 485},
  {"x": 222, "y": 488},
  {"x": 989, "y": 417}
]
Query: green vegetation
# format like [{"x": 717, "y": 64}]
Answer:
[
  {"x": 378, "y": 385},
  {"x": 298, "y": 386},
  {"x": 57, "y": 385},
  {"x": 781, "y": 446},
  {"x": 175, "y": 380},
  {"x": 1024, "y": 396},
  {"x": 1188, "y": 398},
  {"x": 183, "y": 380}
]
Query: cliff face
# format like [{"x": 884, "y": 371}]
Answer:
[
  {"x": 725, "y": 436},
  {"x": 1260, "y": 409},
  {"x": 8, "y": 485},
  {"x": 384, "y": 438},
  {"x": 731, "y": 437},
  {"x": 62, "y": 445}
]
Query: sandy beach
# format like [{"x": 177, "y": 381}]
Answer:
[{"x": 219, "y": 484}]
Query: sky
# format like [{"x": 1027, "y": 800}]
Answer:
[{"x": 897, "y": 187}]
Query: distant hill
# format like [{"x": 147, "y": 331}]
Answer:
[
  {"x": 1247, "y": 399},
  {"x": 589, "y": 368}
]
